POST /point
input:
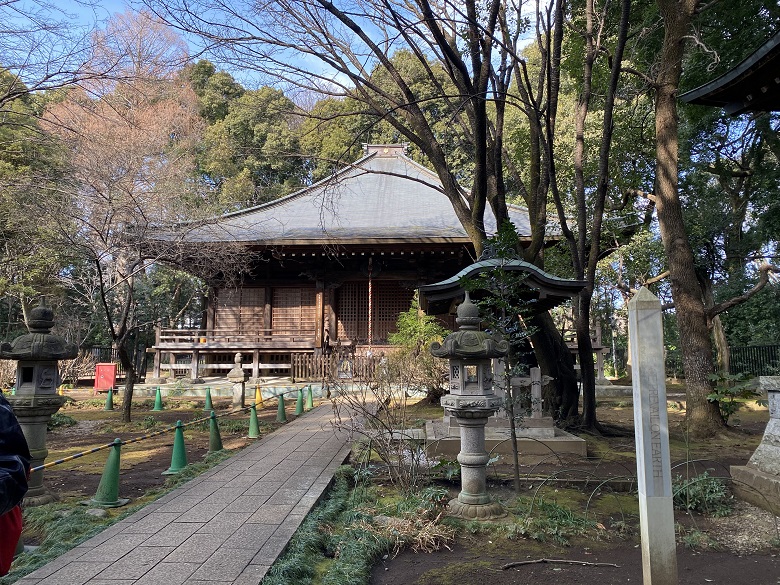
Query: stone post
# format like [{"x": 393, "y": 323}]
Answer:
[
  {"x": 654, "y": 476},
  {"x": 238, "y": 378},
  {"x": 536, "y": 393},
  {"x": 194, "y": 363},
  {"x": 36, "y": 399}
]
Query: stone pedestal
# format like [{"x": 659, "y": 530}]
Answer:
[
  {"x": 473, "y": 501},
  {"x": 33, "y": 411},
  {"x": 758, "y": 482}
]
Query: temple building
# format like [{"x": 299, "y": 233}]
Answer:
[{"x": 337, "y": 262}]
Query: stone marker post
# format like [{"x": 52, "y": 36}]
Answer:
[
  {"x": 536, "y": 393},
  {"x": 238, "y": 377},
  {"x": 654, "y": 475}
]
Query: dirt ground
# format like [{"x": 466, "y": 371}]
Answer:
[
  {"x": 735, "y": 549},
  {"x": 142, "y": 463}
]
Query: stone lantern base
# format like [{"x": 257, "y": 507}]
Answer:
[
  {"x": 473, "y": 502},
  {"x": 34, "y": 411},
  {"x": 489, "y": 511}
]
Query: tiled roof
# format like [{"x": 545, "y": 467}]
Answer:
[{"x": 383, "y": 197}]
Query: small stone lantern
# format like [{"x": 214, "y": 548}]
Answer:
[
  {"x": 36, "y": 398},
  {"x": 472, "y": 401}
]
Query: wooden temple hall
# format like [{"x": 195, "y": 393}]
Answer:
[{"x": 338, "y": 261}]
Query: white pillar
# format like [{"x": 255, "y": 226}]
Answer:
[{"x": 656, "y": 512}]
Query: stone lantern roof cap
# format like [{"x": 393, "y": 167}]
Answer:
[
  {"x": 39, "y": 344},
  {"x": 468, "y": 342}
]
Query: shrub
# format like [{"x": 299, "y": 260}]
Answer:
[
  {"x": 60, "y": 420},
  {"x": 729, "y": 390},
  {"x": 704, "y": 494}
]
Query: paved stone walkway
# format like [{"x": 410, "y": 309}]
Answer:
[{"x": 227, "y": 526}]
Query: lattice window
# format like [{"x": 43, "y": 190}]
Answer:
[
  {"x": 252, "y": 309},
  {"x": 227, "y": 314},
  {"x": 352, "y": 310},
  {"x": 388, "y": 299}
]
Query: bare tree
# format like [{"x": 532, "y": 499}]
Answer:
[
  {"x": 385, "y": 57},
  {"x": 44, "y": 48},
  {"x": 129, "y": 151}
]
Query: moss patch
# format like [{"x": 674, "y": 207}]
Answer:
[{"x": 454, "y": 574}]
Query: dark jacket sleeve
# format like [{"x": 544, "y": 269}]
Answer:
[{"x": 14, "y": 459}]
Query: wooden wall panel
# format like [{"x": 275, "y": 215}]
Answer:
[
  {"x": 294, "y": 311},
  {"x": 227, "y": 314},
  {"x": 240, "y": 309}
]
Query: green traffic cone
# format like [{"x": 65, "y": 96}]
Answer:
[
  {"x": 281, "y": 416},
  {"x": 179, "y": 455},
  {"x": 109, "y": 400},
  {"x": 107, "y": 495},
  {"x": 254, "y": 427},
  {"x": 215, "y": 440},
  {"x": 299, "y": 403},
  {"x": 208, "y": 407},
  {"x": 309, "y": 399},
  {"x": 158, "y": 405}
]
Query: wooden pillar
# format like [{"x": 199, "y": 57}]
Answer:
[
  {"x": 256, "y": 364},
  {"x": 319, "y": 324},
  {"x": 267, "y": 312}
]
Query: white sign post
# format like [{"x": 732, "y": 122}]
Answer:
[{"x": 656, "y": 511}]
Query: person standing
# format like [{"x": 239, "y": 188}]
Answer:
[{"x": 14, "y": 470}]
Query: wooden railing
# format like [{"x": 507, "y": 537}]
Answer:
[{"x": 226, "y": 336}]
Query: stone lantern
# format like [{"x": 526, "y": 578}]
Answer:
[
  {"x": 471, "y": 401},
  {"x": 36, "y": 398}
]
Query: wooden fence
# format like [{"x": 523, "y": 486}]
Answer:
[{"x": 308, "y": 367}]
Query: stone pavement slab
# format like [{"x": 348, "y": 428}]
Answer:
[{"x": 225, "y": 527}]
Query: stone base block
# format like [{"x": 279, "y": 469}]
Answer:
[
  {"x": 489, "y": 511},
  {"x": 150, "y": 380},
  {"x": 756, "y": 487},
  {"x": 613, "y": 391},
  {"x": 442, "y": 442}
]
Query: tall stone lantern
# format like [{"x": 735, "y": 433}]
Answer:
[
  {"x": 471, "y": 401},
  {"x": 36, "y": 398}
]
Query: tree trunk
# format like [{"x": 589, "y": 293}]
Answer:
[
  {"x": 587, "y": 371},
  {"x": 718, "y": 331},
  {"x": 131, "y": 377},
  {"x": 555, "y": 360},
  {"x": 702, "y": 416}
]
